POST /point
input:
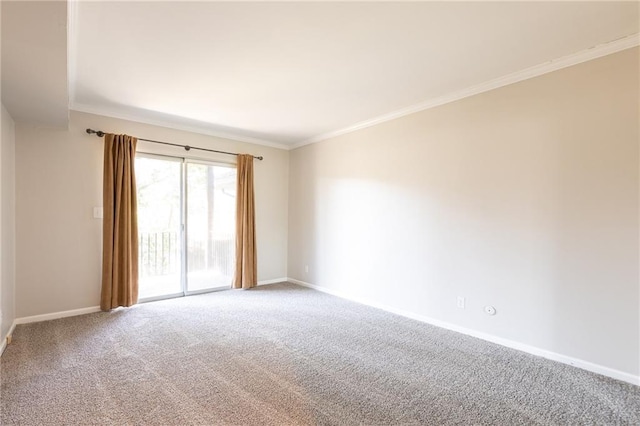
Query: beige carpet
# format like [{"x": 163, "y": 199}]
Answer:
[{"x": 286, "y": 355}]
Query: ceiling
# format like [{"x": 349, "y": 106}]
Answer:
[{"x": 292, "y": 72}]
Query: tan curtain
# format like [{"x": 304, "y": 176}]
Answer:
[
  {"x": 246, "y": 275},
  {"x": 120, "y": 226}
]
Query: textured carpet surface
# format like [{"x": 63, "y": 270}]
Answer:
[{"x": 286, "y": 355}]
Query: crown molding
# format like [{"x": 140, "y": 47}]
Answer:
[
  {"x": 203, "y": 130},
  {"x": 534, "y": 71}
]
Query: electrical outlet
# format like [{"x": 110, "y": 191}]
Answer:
[
  {"x": 306, "y": 269},
  {"x": 460, "y": 302}
]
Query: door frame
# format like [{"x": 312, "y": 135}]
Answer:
[{"x": 184, "y": 228}]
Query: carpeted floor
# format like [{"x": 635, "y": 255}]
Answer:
[{"x": 286, "y": 355}]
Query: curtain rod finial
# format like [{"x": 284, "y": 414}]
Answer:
[{"x": 98, "y": 133}]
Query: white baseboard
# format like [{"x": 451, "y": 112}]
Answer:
[
  {"x": 3, "y": 344},
  {"x": 274, "y": 281},
  {"x": 56, "y": 315},
  {"x": 45, "y": 317},
  {"x": 585, "y": 365}
]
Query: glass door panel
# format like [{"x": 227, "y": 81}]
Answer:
[
  {"x": 159, "y": 186},
  {"x": 210, "y": 226}
]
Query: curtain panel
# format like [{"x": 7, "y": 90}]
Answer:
[
  {"x": 246, "y": 274},
  {"x": 120, "y": 225}
]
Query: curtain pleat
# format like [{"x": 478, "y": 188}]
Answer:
[
  {"x": 246, "y": 274},
  {"x": 120, "y": 225}
]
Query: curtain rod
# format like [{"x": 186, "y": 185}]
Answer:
[{"x": 100, "y": 134}]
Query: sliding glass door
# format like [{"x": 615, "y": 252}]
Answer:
[
  {"x": 159, "y": 186},
  {"x": 211, "y": 205},
  {"x": 186, "y": 226}
]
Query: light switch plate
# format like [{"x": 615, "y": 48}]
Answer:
[{"x": 98, "y": 213}]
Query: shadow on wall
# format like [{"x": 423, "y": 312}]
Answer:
[{"x": 513, "y": 207}]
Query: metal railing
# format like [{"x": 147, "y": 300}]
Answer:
[
  {"x": 159, "y": 254},
  {"x": 215, "y": 254}
]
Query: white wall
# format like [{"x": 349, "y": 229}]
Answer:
[
  {"x": 7, "y": 224},
  {"x": 59, "y": 181},
  {"x": 524, "y": 198}
]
